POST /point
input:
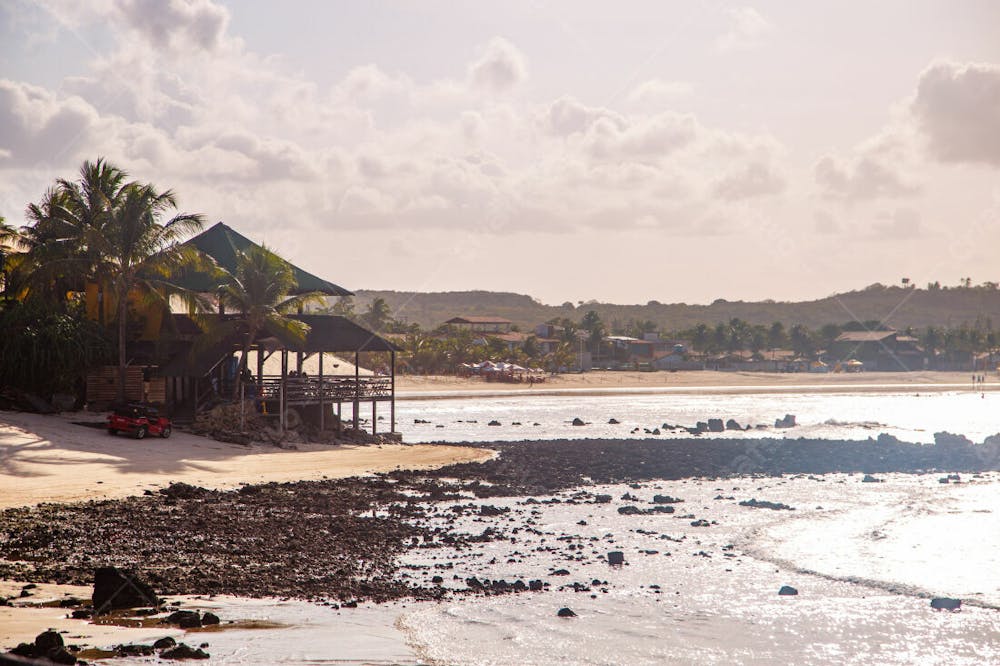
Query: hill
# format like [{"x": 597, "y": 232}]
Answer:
[{"x": 897, "y": 307}]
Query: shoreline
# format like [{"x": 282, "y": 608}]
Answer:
[{"x": 600, "y": 383}]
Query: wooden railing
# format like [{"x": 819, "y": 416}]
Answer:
[{"x": 333, "y": 389}]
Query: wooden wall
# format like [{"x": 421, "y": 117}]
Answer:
[{"x": 102, "y": 384}]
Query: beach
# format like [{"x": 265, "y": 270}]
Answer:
[
  {"x": 454, "y": 536},
  {"x": 692, "y": 381}
]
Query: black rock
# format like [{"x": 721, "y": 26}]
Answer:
[
  {"x": 493, "y": 423},
  {"x": 764, "y": 504},
  {"x": 82, "y": 614},
  {"x": 578, "y": 421},
  {"x": 116, "y": 588},
  {"x": 209, "y": 618},
  {"x": 787, "y": 422},
  {"x": 731, "y": 424},
  {"x": 715, "y": 425},
  {"x": 700, "y": 523},
  {"x": 164, "y": 643},
  {"x": 535, "y": 585},
  {"x": 616, "y": 557},
  {"x": 47, "y": 640},
  {"x": 613, "y": 421},
  {"x": 787, "y": 591},
  {"x": 184, "y": 651},
  {"x": 566, "y": 612},
  {"x": 629, "y": 510},
  {"x": 59, "y": 655},
  {"x": 184, "y": 619},
  {"x": 602, "y": 499},
  {"x": 183, "y": 491},
  {"x": 665, "y": 499},
  {"x": 945, "y": 603},
  {"x": 868, "y": 478},
  {"x": 560, "y": 572},
  {"x": 23, "y": 650}
]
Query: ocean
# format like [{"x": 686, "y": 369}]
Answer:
[{"x": 699, "y": 586}]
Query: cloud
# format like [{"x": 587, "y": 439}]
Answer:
[
  {"x": 658, "y": 91},
  {"x": 567, "y": 116},
  {"x": 747, "y": 29},
  {"x": 653, "y": 137},
  {"x": 957, "y": 107},
  {"x": 501, "y": 68},
  {"x": 175, "y": 24},
  {"x": 38, "y": 127},
  {"x": 898, "y": 225},
  {"x": 755, "y": 179},
  {"x": 864, "y": 178}
]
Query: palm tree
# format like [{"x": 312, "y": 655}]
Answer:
[
  {"x": 258, "y": 294},
  {"x": 136, "y": 255}
]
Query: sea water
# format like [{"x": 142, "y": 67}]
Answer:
[{"x": 910, "y": 416}]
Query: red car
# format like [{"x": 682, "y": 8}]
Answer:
[{"x": 138, "y": 421}]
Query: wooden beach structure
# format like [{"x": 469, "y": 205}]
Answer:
[{"x": 194, "y": 379}]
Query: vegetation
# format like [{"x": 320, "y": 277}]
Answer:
[
  {"x": 258, "y": 296},
  {"x": 105, "y": 230}
]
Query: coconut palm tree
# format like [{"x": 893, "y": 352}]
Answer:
[
  {"x": 137, "y": 256},
  {"x": 258, "y": 295}
]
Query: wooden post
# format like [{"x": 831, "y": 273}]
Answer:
[
  {"x": 322, "y": 411},
  {"x": 374, "y": 415},
  {"x": 281, "y": 392},
  {"x": 340, "y": 421},
  {"x": 357, "y": 389},
  {"x": 392, "y": 392}
]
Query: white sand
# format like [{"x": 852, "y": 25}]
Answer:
[{"x": 50, "y": 459}]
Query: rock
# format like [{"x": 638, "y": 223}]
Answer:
[
  {"x": 60, "y": 655},
  {"x": 82, "y": 614},
  {"x": 700, "y": 523},
  {"x": 437, "y": 580},
  {"x": 787, "y": 591},
  {"x": 665, "y": 499},
  {"x": 566, "y": 612},
  {"x": 535, "y": 585},
  {"x": 489, "y": 510},
  {"x": 885, "y": 439},
  {"x": 116, "y": 588},
  {"x": 731, "y": 424},
  {"x": 184, "y": 619},
  {"x": 787, "y": 422},
  {"x": 46, "y": 641},
  {"x": 868, "y": 478},
  {"x": 164, "y": 643},
  {"x": 715, "y": 425},
  {"x": 701, "y": 426},
  {"x": 23, "y": 650},
  {"x": 578, "y": 421},
  {"x": 616, "y": 557},
  {"x": 209, "y": 618},
  {"x": 184, "y": 651},
  {"x": 763, "y": 504},
  {"x": 183, "y": 491},
  {"x": 560, "y": 572},
  {"x": 613, "y": 421},
  {"x": 948, "y": 440},
  {"x": 493, "y": 423},
  {"x": 629, "y": 510},
  {"x": 945, "y": 603}
]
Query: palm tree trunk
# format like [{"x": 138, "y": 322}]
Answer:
[{"x": 122, "y": 309}]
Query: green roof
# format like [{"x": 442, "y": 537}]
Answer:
[{"x": 222, "y": 243}]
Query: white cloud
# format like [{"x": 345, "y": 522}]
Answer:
[
  {"x": 175, "y": 24},
  {"x": 755, "y": 179},
  {"x": 957, "y": 108},
  {"x": 501, "y": 68},
  {"x": 39, "y": 127},
  {"x": 747, "y": 29},
  {"x": 659, "y": 92}
]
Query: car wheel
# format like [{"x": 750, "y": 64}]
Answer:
[
  {"x": 112, "y": 432},
  {"x": 165, "y": 433},
  {"x": 140, "y": 432}
]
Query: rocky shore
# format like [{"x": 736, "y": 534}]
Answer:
[{"x": 338, "y": 540}]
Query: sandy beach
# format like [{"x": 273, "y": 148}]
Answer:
[
  {"x": 52, "y": 459},
  {"x": 707, "y": 381}
]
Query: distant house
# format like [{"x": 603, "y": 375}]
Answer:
[
  {"x": 879, "y": 350},
  {"x": 513, "y": 340},
  {"x": 480, "y": 324}
]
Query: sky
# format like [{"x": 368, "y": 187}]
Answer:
[{"x": 625, "y": 152}]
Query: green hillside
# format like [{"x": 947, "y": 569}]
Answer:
[{"x": 897, "y": 307}]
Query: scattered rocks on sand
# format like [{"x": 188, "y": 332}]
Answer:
[
  {"x": 946, "y": 603},
  {"x": 566, "y": 612},
  {"x": 787, "y": 591},
  {"x": 48, "y": 647}
]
